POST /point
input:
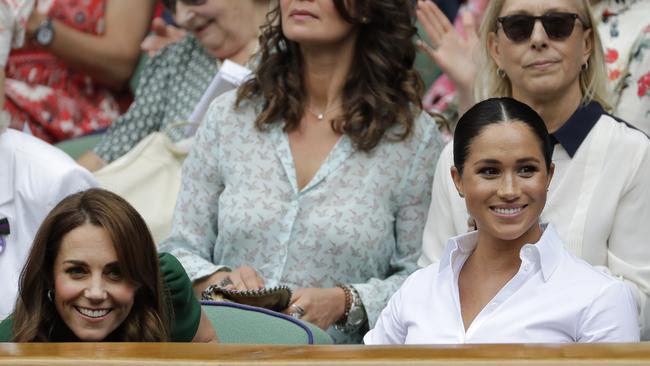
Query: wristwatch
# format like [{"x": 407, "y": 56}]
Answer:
[
  {"x": 44, "y": 34},
  {"x": 355, "y": 313}
]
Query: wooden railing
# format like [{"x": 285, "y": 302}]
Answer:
[{"x": 132, "y": 354}]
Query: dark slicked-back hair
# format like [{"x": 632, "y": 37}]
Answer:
[
  {"x": 498, "y": 110},
  {"x": 382, "y": 90}
]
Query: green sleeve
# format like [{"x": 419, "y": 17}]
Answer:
[
  {"x": 6, "y": 329},
  {"x": 186, "y": 308}
]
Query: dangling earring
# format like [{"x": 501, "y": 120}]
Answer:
[
  {"x": 501, "y": 73},
  {"x": 50, "y": 295},
  {"x": 585, "y": 66}
]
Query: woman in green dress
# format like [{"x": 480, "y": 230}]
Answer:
[{"x": 94, "y": 274}]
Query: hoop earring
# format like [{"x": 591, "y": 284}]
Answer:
[
  {"x": 50, "y": 295},
  {"x": 501, "y": 73}
]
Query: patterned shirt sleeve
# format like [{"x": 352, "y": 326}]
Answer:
[
  {"x": 194, "y": 225},
  {"x": 411, "y": 214}
]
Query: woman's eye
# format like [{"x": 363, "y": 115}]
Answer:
[
  {"x": 528, "y": 170},
  {"x": 114, "y": 274},
  {"x": 488, "y": 172},
  {"x": 75, "y": 272}
]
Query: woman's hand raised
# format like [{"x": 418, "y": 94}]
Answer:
[{"x": 453, "y": 53}]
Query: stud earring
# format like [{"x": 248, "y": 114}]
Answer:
[
  {"x": 365, "y": 20},
  {"x": 585, "y": 66},
  {"x": 501, "y": 73},
  {"x": 461, "y": 194}
]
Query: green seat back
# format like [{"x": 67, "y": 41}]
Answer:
[
  {"x": 76, "y": 147},
  {"x": 237, "y": 323}
]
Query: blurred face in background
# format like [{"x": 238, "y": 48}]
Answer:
[{"x": 223, "y": 27}]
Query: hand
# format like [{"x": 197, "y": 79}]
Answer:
[
  {"x": 453, "y": 53},
  {"x": 323, "y": 306},
  {"x": 242, "y": 278},
  {"x": 162, "y": 35}
]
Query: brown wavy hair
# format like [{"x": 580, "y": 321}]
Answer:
[
  {"x": 36, "y": 318},
  {"x": 382, "y": 90}
]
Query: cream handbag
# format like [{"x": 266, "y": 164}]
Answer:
[{"x": 149, "y": 175}]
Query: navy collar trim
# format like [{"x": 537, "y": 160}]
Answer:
[{"x": 575, "y": 130}]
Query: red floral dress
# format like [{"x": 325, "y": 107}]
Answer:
[{"x": 55, "y": 101}]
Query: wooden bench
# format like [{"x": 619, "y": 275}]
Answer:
[{"x": 88, "y": 354}]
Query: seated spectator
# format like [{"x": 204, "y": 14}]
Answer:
[
  {"x": 79, "y": 58},
  {"x": 317, "y": 173},
  {"x": 93, "y": 274},
  {"x": 34, "y": 177},
  {"x": 598, "y": 201},
  {"x": 173, "y": 82},
  {"x": 511, "y": 280}
]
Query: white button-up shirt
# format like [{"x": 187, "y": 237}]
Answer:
[
  {"x": 34, "y": 177},
  {"x": 554, "y": 298}
]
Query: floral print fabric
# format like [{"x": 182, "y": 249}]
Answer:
[
  {"x": 624, "y": 27},
  {"x": 55, "y": 101},
  {"x": 359, "y": 221}
]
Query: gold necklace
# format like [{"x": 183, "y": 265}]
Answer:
[{"x": 320, "y": 116}]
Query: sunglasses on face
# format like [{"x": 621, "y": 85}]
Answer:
[
  {"x": 558, "y": 26},
  {"x": 171, "y": 4}
]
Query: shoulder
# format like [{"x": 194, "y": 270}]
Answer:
[
  {"x": 6, "y": 329},
  {"x": 581, "y": 275},
  {"x": 421, "y": 281},
  {"x": 623, "y": 131},
  {"x": 39, "y": 158}
]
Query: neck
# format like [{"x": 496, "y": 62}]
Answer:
[
  {"x": 554, "y": 110},
  {"x": 249, "y": 35},
  {"x": 325, "y": 72},
  {"x": 495, "y": 255}
]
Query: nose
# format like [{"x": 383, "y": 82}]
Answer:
[
  {"x": 539, "y": 38},
  {"x": 96, "y": 290},
  {"x": 509, "y": 189},
  {"x": 185, "y": 15}
]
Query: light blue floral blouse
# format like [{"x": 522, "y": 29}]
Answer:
[{"x": 359, "y": 221}]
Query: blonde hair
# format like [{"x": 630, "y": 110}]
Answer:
[{"x": 593, "y": 80}]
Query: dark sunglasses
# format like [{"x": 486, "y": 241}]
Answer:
[
  {"x": 558, "y": 26},
  {"x": 171, "y": 4}
]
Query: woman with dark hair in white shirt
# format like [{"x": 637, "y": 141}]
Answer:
[{"x": 511, "y": 280}]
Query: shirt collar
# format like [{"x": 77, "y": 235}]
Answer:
[
  {"x": 575, "y": 130},
  {"x": 547, "y": 251}
]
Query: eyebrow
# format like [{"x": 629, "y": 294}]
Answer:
[
  {"x": 529, "y": 159},
  {"x": 82, "y": 263}
]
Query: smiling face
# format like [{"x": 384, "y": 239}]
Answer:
[
  {"x": 314, "y": 22},
  {"x": 540, "y": 67},
  {"x": 223, "y": 27},
  {"x": 90, "y": 294},
  {"x": 505, "y": 181}
]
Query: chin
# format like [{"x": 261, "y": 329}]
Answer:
[{"x": 94, "y": 336}]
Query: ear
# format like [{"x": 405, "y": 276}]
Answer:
[
  {"x": 455, "y": 176},
  {"x": 493, "y": 48},
  {"x": 588, "y": 44},
  {"x": 551, "y": 171}
]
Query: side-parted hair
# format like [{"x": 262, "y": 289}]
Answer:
[
  {"x": 382, "y": 89},
  {"x": 498, "y": 110},
  {"x": 36, "y": 317},
  {"x": 593, "y": 80}
]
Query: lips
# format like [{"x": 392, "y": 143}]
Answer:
[
  {"x": 302, "y": 14},
  {"x": 508, "y": 211},
  {"x": 93, "y": 313},
  {"x": 542, "y": 63}
]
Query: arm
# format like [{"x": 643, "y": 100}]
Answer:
[
  {"x": 451, "y": 51},
  {"x": 611, "y": 317},
  {"x": 194, "y": 226},
  {"x": 389, "y": 328},
  {"x": 628, "y": 254},
  {"x": 410, "y": 216},
  {"x": 110, "y": 57},
  {"x": 446, "y": 206}
]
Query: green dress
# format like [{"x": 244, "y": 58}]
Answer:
[{"x": 186, "y": 308}]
